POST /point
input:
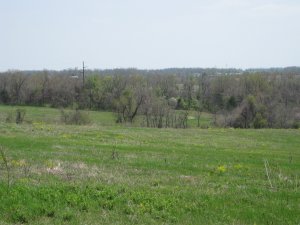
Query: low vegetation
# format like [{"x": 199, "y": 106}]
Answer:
[
  {"x": 108, "y": 173},
  {"x": 76, "y": 117}
]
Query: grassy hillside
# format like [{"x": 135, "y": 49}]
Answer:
[
  {"x": 107, "y": 174},
  {"x": 52, "y": 115}
]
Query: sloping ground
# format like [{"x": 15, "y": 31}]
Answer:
[
  {"x": 120, "y": 175},
  {"x": 53, "y": 116}
]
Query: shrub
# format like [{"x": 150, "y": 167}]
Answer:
[
  {"x": 4, "y": 97},
  {"x": 172, "y": 102},
  {"x": 181, "y": 104},
  {"x": 260, "y": 121},
  {"x": 76, "y": 117},
  {"x": 18, "y": 116},
  {"x": 231, "y": 103},
  {"x": 296, "y": 125}
]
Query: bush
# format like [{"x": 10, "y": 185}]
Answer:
[
  {"x": 76, "y": 117},
  {"x": 296, "y": 125},
  {"x": 231, "y": 103},
  {"x": 18, "y": 116},
  {"x": 260, "y": 121},
  {"x": 182, "y": 104},
  {"x": 4, "y": 97},
  {"x": 172, "y": 102}
]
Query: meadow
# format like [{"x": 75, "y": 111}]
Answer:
[{"x": 107, "y": 173}]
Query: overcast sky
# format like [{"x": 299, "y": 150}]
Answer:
[{"x": 149, "y": 34}]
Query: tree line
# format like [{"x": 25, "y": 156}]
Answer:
[{"x": 163, "y": 98}]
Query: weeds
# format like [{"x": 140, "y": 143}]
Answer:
[
  {"x": 114, "y": 153},
  {"x": 278, "y": 180},
  {"x": 11, "y": 165},
  {"x": 7, "y": 167},
  {"x": 266, "y": 163},
  {"x": 221, "y": 169},
  {"x": 23, "y": 165},
  {"x": 76, "y": 117}
]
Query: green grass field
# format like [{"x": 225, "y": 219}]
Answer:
[{"x": 105, "y": 173}]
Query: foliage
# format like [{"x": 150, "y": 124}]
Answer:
[
  {"x": 234, "y": 99},
  {"x": 231, "y": 103},
  {"x": 259, "y": 121},
  {"x": 76, "y": 117},
  {"x": 16, "y": 116}
]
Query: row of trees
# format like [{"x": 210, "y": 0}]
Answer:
[{"x": 242, "y": 100}]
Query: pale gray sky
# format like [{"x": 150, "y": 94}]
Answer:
[{"x": 59, "y": 34}]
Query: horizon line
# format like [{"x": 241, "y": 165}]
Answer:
[{"x": 147, "y": 69}]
